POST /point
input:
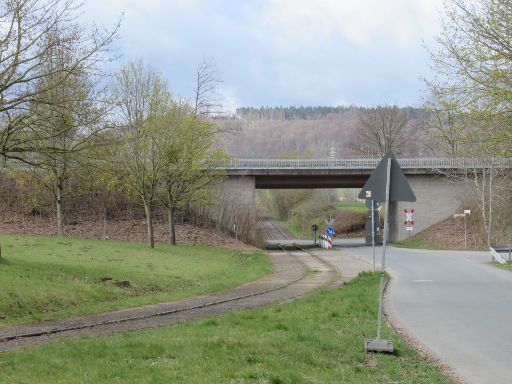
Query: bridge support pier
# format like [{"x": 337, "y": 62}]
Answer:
[{"x": 437, "y": 198}]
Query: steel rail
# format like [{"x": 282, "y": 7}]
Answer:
[{"x": 92, "y": 325}]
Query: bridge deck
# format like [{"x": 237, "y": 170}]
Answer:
[
  {"x": 349, "y": 172},
  {"x": 353, "y": 163}
]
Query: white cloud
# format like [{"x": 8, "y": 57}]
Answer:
[
  {"x": 359, "y": 21},
  {"x": 229, "y": 100},
  {"x": 282, "y": 51}
]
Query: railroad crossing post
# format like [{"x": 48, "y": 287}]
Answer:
[{"x": 314, "y": 228}]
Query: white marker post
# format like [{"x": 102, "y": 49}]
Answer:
[{"x": 466, "y": 212}]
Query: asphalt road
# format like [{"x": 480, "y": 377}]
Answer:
[{"x": 457, "y": 305}]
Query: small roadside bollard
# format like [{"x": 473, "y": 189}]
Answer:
[
  {"x": 235, "y": 229},
  {"x": 325, "y": 241},
  {"x": 106, "y": 214}
]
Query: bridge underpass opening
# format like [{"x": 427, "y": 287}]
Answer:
[
  {"x": 286, "y": 215},
  {"x": 309, "y": 181}
]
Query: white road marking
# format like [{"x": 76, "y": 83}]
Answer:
[{"x": 423, "y": 281}]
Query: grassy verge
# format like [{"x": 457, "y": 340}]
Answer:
[
  {"x": 317, "y": 339},
  {"x": 418, "y": 243},
  {"x": 352, "y": 206},
  {"x": 45, "y": 277},
  {"x": 295, "y": 229},
  {"x": 507, "y": 265}
]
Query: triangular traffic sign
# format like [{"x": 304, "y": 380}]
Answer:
[{"x": 399, "y": 189}]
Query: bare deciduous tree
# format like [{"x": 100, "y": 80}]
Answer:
[
  {"x": 66, "y": 115},
  {"x": 24, "y": 48},
  {"x": 382, "y": 129},
  {"x": 206, "y": 93},
  {"x": 445, "y": 127}
]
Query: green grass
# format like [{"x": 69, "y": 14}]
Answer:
[
  {"x": 45, "y": 277},
  {"x": 507, "y": 265},
  {"x": 317, "y": 339},
  {"x": 418, "y": 243},
  {"x": 295, "y": 229},
  {"x": 355, "y": 206}
]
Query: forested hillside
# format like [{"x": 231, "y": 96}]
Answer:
[{"x": 276, "y": 131}]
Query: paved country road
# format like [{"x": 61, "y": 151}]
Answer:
[{"x": 457, "y": 305}]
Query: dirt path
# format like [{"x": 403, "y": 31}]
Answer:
[{"x": 295, "y": 274}]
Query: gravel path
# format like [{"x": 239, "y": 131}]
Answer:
[{"x": 295, "y": 274}]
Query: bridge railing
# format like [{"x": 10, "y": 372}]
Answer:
[{"x": 363, "y": 163}]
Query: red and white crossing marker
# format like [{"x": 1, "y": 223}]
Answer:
[{"x": 409, "y": 222}]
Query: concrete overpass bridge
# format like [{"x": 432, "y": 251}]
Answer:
[{"x": 439, "y": 183}]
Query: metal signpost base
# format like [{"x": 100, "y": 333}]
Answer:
[
  {"x": 373, "y": 233},
  {"x": 378, "y": 346}
]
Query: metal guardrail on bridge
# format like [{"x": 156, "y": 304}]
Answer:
[{"x": 364, "y": 163}]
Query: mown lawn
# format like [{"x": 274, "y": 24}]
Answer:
[
  {"x": 45, "y": 277},
  {"x": 316, "y": 339}
]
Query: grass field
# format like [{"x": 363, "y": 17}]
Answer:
[
  {"x": 418, "y": 243},
  {"x": 353, "y": 206},
  {"x": 47, "y": 277},
  {"x": 317, "y": 339},
  {"x": 344, "y": 206}
]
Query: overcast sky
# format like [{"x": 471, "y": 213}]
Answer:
[{"x": 283, "y": 52}]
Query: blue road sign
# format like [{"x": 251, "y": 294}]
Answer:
[{"x": 329, "y": 231}]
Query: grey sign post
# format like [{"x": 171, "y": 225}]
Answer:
[
  {"x": 373, "y": 233},
  {"x": 372, "y": 204},
  {"x": 387, "y": 183}
]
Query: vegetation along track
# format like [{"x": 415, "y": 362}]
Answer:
[
  {"x": 295, "y": 273},
  {"x": 274, "y": 231}
]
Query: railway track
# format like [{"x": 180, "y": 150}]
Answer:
[
  {"x": 272, "y": 229},
  {"x": 263, "y": 291}
]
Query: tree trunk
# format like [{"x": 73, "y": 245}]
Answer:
[
  {"x": 172, "y": 229},
  {"x": 60, "y": 212},
  {"x": 149, "y": 219}
]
